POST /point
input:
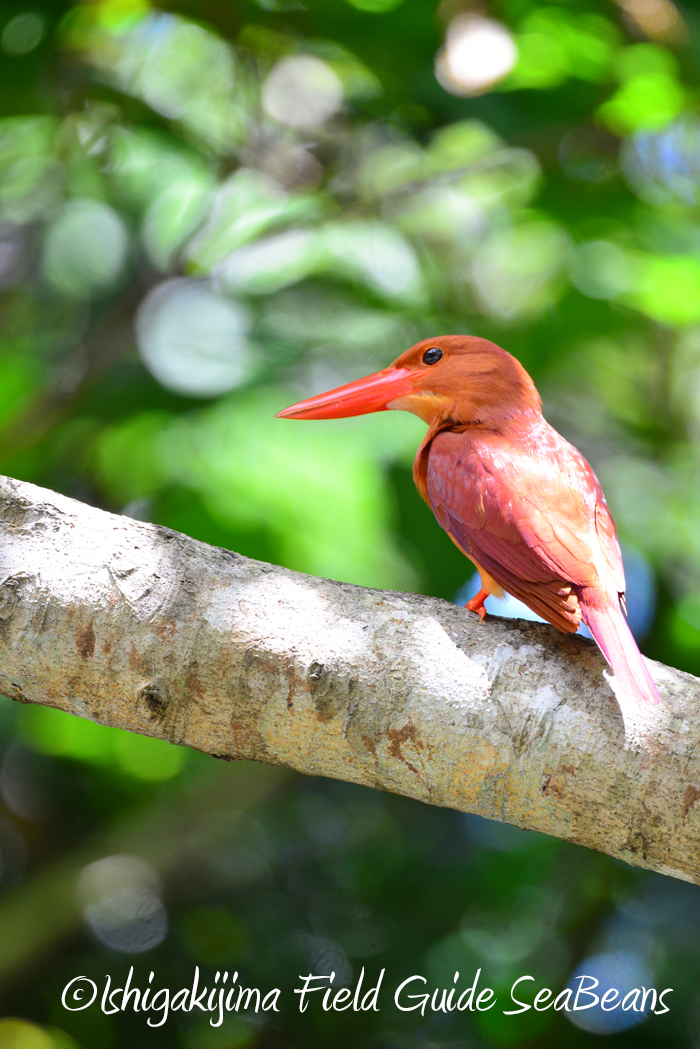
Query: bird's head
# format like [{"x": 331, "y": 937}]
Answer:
[{"x": 450, "y": 380}]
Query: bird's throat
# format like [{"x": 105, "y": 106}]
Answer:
[{"x": 428, "y": 406}]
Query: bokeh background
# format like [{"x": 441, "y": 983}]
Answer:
[{"x": 209, "y": 209}]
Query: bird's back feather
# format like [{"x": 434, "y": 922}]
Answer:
[{"x": 528, "y": 508}]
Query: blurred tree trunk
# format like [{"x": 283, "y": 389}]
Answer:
[{"x": 136, "y": 626}]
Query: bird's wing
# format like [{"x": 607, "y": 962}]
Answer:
[
  {"x": 607, "y": 536},
  {"x": 529, "y": 510}
]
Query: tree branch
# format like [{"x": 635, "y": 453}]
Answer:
[{"x": 136, "y": 626}]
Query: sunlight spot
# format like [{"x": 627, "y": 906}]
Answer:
[
  {"x": 289, "y": 617},
  {"x": 192, "y": 339},
  {"x": 122, "y": 905},
  {"x": 477, "y": 54},
  {"x": 23, "y": 33},
  {"x": 302, "y": 92}
]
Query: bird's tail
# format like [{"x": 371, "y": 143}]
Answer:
[{"x": 609, "y": 627}]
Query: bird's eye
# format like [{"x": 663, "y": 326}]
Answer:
[{"x": 433, "y": 355}]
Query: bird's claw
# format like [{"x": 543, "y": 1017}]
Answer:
[{"x": 477, "y": 604}]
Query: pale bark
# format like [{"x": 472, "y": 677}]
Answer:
[{"x": 133, "y": 625}]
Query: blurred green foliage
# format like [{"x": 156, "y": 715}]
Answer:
[
  {"x": 47, "y": 731},
  {"x": 210, "y": 208}
]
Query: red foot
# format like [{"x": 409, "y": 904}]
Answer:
[{"x": 477, "y": 604}]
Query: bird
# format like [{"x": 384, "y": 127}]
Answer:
[{"x": 516, "y": 497}]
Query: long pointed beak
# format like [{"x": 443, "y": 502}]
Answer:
[{"x": 374, "y": 393}]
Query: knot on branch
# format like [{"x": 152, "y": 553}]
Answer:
[
  {"x": 316, "y": 672},
  {"x": 154, "y": 699},
  {"x": 10, "y": 593}
]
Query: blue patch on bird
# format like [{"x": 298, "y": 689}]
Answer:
[{"x": 641, "y": 597}]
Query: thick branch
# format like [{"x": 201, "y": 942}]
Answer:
[{"x": 133, "y": 625}]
